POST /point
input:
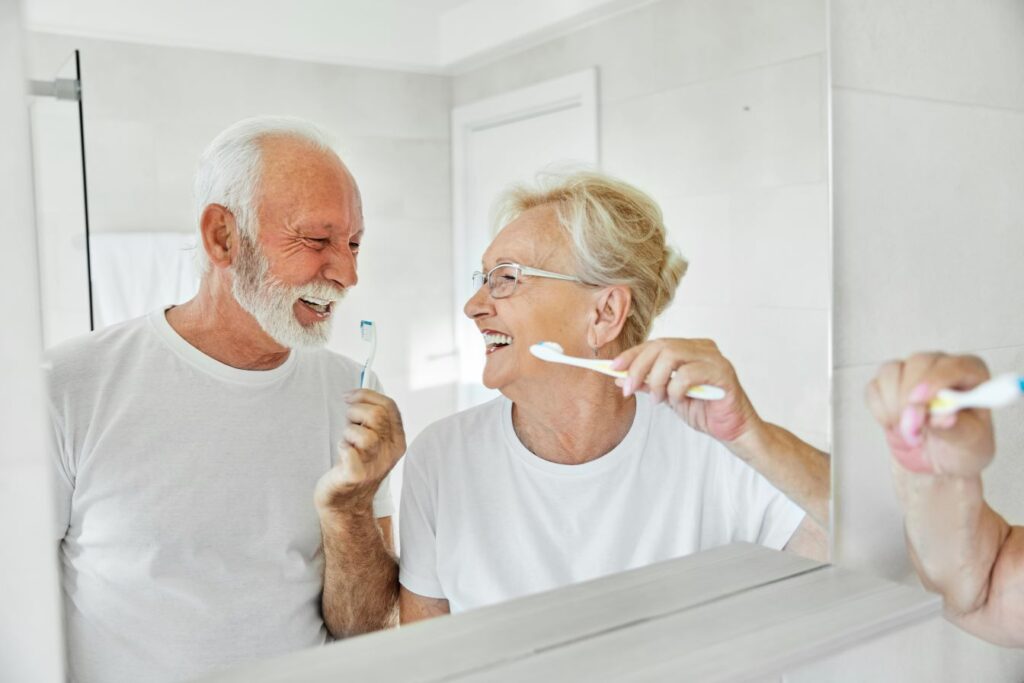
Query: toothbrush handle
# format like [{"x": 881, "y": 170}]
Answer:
[
  {"x": 703, "y": 392},
  {"x": 995, "y": 393}
]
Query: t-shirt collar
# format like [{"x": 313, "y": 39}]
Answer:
[
  {"x": 630, "y": 446},
  {"x": 196, "y": 358}
]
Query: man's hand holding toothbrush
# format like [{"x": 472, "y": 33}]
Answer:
[{"x": 371, "y": 444}]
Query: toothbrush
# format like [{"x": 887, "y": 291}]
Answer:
[
  {"x": 369, "y": 334},
  {"x": 995, "y": 393},
  {"x": 553, "y": 353}
]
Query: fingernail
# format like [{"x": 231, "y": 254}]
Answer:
[
  {"x": 944, "y": 421},
  {"x": 627, "y": 387},
  {"x": 617, "y": 364},
  {"x": 920, "y": 392},
  {"x": 910, "y": 425}
]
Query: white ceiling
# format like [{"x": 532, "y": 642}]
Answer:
[{"x": 419, "y": 35}]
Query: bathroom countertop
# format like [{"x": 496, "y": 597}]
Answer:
[{"x": 732, "y": 613}]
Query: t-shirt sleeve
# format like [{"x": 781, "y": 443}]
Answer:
[
  {"x": 418, "y": 525},
  {"x": 383, "y": 503},
  {"x": 62, "y": 462},
  {"x": 763, "y": 514}
]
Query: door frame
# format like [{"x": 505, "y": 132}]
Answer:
[{"x": 575, "y": 90}]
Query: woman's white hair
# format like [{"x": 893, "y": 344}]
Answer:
[
  {"x": 617, "y": 235},
  {"x": 230, "y": 169}
]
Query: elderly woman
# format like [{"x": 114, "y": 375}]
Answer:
[{"x": 570, "y": 475}]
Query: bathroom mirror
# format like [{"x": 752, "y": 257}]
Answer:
[{"x": 716, "y": 108}]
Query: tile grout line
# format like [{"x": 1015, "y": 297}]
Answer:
[{"x": 932, "y": 100}]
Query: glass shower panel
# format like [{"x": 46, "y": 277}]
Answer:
[{"x": 61, "y": 204}]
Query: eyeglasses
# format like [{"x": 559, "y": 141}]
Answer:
[{"x": 503, "y": 278}]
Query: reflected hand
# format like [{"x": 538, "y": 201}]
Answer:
[
  {"x": 371, "y": 444},
  {"x": 960, "y": 444},
  {"x": 694, "y": 361}
]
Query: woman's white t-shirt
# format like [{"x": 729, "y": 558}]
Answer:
[{"x": 484, "y": 520}]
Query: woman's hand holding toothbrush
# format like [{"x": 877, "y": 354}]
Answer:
[
  {"x": 666, "y": 368},
  {"x": 960, "y": 443},
  {"x": 793, "y": 466}
]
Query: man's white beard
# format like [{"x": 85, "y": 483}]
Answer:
[{"x": 271, "y": 302}]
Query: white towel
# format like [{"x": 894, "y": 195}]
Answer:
[{"x": 134, "y": 273}]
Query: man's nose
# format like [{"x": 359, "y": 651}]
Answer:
[{"x": 341, "y": 267}]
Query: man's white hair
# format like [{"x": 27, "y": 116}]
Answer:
[{"x": 230, "y": 169}]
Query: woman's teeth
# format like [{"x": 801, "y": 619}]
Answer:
[{"x": 493, "y": 339}]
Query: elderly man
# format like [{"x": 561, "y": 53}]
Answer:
[{"x": 192, "y": 442}]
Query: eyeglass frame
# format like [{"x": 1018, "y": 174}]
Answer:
[{"x": 485, "y": 278}]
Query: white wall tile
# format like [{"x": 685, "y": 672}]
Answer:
[
  {"x": 402, "y": 178},
  {"x": 762, "y": 247},
  {"x": 929, "y": 230},
  {"x": 121, "y": 164},
  {"x": 780, "y": 356},
  {"x": 957, "y": 50},
  {"x": 662, "y": 45},
  {"x": 764, "y": 127},
  {"x": 868, "y": 533},
  {"x": 178, "y": 145}
]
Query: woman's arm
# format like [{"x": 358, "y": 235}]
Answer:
[
  {"x": 960, "y": 547},
  {"x": 667, "y": 368}
]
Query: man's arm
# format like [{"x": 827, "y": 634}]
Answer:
[
  {"x": 415, "y": 607},
  {"x": 960, "y": 547},
  {"x": 360, "y": 572}
]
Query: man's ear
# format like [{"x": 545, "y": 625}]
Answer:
[
  {"x": 608, "y": 316},
  {"x": 220, "y": 235}
]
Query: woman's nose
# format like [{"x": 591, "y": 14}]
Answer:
[{"x": 479, "y": 305}]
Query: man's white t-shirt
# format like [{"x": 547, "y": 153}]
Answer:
[
  {"x": 484, "y": 520},
  {"x": 189, "y": 540}
]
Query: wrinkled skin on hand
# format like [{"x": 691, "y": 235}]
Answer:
[
  {"x": 961, "y": 444},
  {"x": 694, "y": 361},
  {"x": 371, "y": 444}
]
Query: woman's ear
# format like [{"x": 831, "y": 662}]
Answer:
[
  {"x": 609, "y": 314},
  {"x": 220, "y": 235}
]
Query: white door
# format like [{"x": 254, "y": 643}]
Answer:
[{"x": 497, "y": 142}]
